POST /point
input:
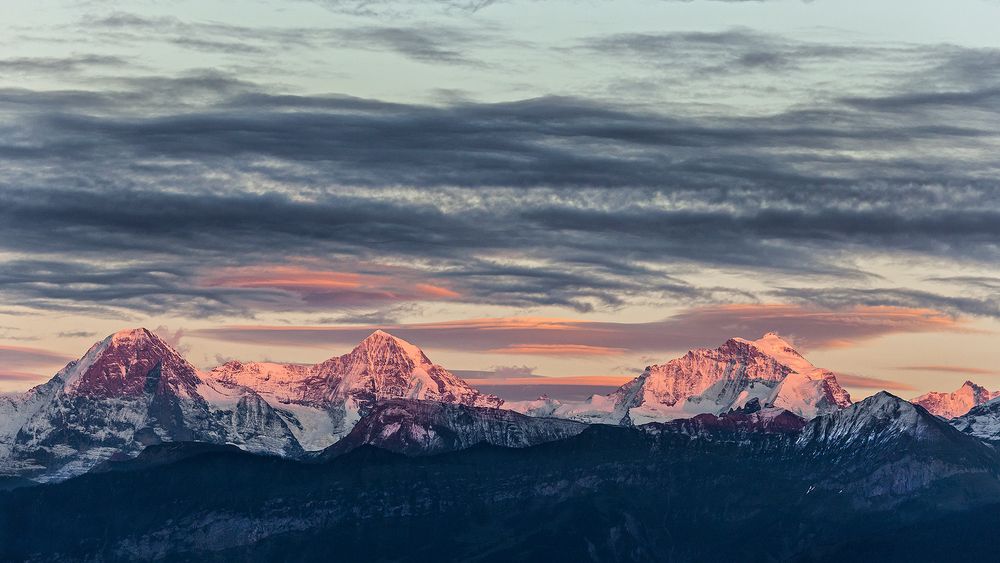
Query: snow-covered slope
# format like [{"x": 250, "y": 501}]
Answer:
[
  {"x": 982, "y": 421},
  {"x": 885, "y": 447},
  {"x": 543, "y": 406},
  {"x": 897, "y": 447},
  {"x": 716, "y": 381},
  {"x": 132, "y": 389},
  {"x": 322, "y": 402},
  {"x": 128, "y": 391},
  {"x": 879, "y": 421},
  {"x": 957, "y": 403}
]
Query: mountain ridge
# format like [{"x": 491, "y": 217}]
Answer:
[
  {"x": 717, "y": 380},
  {"x": 131, "y": 390}
]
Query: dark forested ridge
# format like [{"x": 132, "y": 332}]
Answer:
[{"x": 608, "y": 494}]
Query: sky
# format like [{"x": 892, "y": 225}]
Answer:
[{"x": 523, "y": 188}]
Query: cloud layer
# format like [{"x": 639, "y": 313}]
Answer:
[
  {"x": 549, "y": 202},
  {"x": 695, "y": 328},
  {"x": 133, "y": 190}
]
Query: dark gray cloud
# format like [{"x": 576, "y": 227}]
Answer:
[
  {"x": 58, "y": 65},
  {"x": 97, "y": 288},
  {"x": 396, "y": 8},
  {"x": 78, "y": 334},
  {"x": 432, "y": 43},
  {"x": 713, "y": 53},
  {"x": 549, "y": 201},
  {"x": 426, "y": 44},
  {"x": 974, "y": 283},
  {"x": 987, "y": 306}
]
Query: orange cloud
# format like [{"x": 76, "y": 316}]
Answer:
[
  {"x": 865, "y": 382},
  {"x": 25, "y": 356},
  {"x": 603, "y": 380},
  {"x": 287, "y": 277},
  {"x": 951, "y": 369},
  {"x": 329, "y": 287},
  {"x": 435, "y": 291},
  {"x": 698, "y": 327},
  {"x": 22, "y": 376},
  {"x": 559, "y": 350},
  {"x": 15, "y": 361},
  {"x": 506, "y": 324}
]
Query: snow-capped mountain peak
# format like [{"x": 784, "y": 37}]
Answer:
[
  {"x": 133, "y": 335},
  {"x": 717, "y": 380},
  {"x": 130, "y": 390},
  {"x": 383, "y": 366},
  {"x": 130, "y": 363},
  {"x": 774, "y": 346},
  {"x": 380, "y": 346},
  {"x": 322, "y": 402},
  {"x": 958, "y": 402}
]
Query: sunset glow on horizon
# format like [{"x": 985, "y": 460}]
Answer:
[{"x": 576, "y": 192}]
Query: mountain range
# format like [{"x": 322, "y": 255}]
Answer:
[
  {"x": 376, "y": 450},
  {"x": 132, "y": 390},
  {"x": 882, "y": 479}
]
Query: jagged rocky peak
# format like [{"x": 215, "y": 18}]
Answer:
[
  {"x": 130, "y": 363},
  {"x": 383, "y": 349},
  {"x": 383, "y": 366},
  {"x": 958, "y": 402}
]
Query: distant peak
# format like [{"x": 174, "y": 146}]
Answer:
[
  {"x": 971, "y": 385},
  {"x": 380, "y": 335},
  {"x": 137, "y": 338},
  {"x": 773, "y": 338},
  {"x": 133, "y": 331},
  {"x": 133, "y": 335},
  {"x": 882, "y": 397},
  {"x": 381, "y": 338}
]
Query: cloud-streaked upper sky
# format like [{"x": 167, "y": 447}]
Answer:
[{"x": 573, "y": 188}]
